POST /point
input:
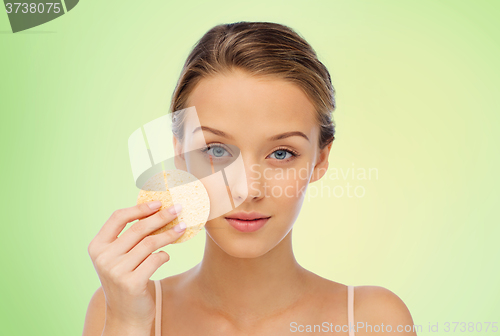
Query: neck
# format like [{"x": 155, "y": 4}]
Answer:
[{"x": 250, "y": 288}]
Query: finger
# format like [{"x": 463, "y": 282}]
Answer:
[
  {"x": 121, "y": 217},
  {"x": 149, "y": 266},
  {"x": 149, "y": 244},
  {"x": 144, "y": 227}
]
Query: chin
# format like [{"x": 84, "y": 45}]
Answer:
[
  {"x": 240, "y": 245},
  {"x": 245, "y": 247},
  {"x": 249, "y": 244}
]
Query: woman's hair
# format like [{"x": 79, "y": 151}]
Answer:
[{"x": 262, "y": 49}]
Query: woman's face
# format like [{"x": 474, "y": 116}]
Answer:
[{"x": 250, "y": 110}]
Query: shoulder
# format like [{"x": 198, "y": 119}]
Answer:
[
  {"x": 382, "y": 309},
  {"x": 95, "y": 317},
  {"x": 98, "y": 301}
]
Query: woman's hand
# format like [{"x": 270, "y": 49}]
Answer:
[{"x": 124, "y": 264}]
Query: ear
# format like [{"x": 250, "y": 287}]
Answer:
[
  {"x": 322, "y": 164},
  {"x": 179, "y": 160}
]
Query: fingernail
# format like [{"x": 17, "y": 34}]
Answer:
[
  {"x": 154, "y": 205},
  {"x": 180, "y": 227},
  {"x": 175, "y": 209}
]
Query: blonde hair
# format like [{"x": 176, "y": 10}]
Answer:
[{"x": 260, "y": 49}]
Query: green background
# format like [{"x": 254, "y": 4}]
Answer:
[{"x": 417, "y": 91}]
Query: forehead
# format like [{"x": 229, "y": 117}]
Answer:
[{"x": 242, "y": 104}]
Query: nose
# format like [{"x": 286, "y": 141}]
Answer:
[{"x": 250, "y": 186}]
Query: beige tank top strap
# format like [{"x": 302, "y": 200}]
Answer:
[
  {"x": 158, "y": 308},
  {"x": 350, "y": 309}
]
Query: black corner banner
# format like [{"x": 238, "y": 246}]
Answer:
[{"x": 29, "y": 14}]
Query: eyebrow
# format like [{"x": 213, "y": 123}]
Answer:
[{"x": 273, "y": 138}]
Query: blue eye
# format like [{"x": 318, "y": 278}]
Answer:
[
  {"x": 285, "y": 154},
  {"x": 216, "y": 151},
  {"x": 282, "y": 154}
]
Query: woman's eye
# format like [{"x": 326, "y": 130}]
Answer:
[
  {"x": 216, "y": 151},
  {"x": 281, "y": 154}
]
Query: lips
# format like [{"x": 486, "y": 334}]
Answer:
[
  {"x": 247, "y": 222},
  {"x": 247, "y": 215}
]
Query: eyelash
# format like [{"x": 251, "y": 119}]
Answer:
[
  {"x": 294, "y": 153},
  {"x": 289, "y": 150},
  {"x": 215, "y": 145}
]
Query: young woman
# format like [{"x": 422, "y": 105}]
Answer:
[{"x": 258, "y": 86}]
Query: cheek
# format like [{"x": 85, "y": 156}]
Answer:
[{"x": 288, "y": 186}]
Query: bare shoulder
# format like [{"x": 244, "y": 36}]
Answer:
[
  {"x": 96, "y": 314},
  {"x": 95, "y": 317},
  {"x": 381, "y": 309}
]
